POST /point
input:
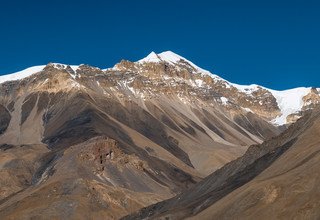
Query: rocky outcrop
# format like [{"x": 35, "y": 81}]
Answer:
[{"x": 102, "y": 151}]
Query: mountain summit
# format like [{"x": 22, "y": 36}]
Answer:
[{"x": 172, "y": 58}]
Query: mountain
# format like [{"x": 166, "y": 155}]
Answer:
[
  {"x": 80, "y": 142},
  {"x": 274, "y": 180}
]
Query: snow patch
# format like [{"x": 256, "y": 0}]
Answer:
[
  {"x": 224, "y": 100},
  {"x": 289, "y": 102},
  {"x": 247, "y": 89},
  {"x": 248, "y": 110},
  {"x": 75, "y": 84},
  {"x": 199, "y": 82}
]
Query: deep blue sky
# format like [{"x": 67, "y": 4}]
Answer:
[{"x": 272, "y": 43}]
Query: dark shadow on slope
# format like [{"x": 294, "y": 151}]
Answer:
[
  {"x": 206, "y": 194},
  {"x": 5, "y": 147},
  {"x": 82, "y": 120},
  {"x": 46, "y": 168},
  {"x": 137, "y": 118},
  {"x": 225, "y": 180},
  {"x": 27, "y": 106},
  {"x": 5, "y": 119},
  {"x": 256, "y": 126},
  {"x": 80, "y": 117}
]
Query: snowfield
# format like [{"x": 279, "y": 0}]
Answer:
[
  {"x": 21, "y": 74},
  {"x": 289, "y": 101}
]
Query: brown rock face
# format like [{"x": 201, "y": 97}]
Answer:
[
  {"x": 105, "y": 151},
  {"x": 311, "y": 100}
]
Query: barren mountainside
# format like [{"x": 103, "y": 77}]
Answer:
[
  {"x": 83, "y": 142},
  {"x": 274, "y": 180}
]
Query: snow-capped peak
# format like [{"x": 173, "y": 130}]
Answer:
[
  {"x": 173, "y": 58},
  {"x": 289, "y": 101},
  {"x": 32, "y": 70},
  {"x": 167, "y": 56},
  {"x": 151, "y": 58},
  {"x": 21, "y": 74}
]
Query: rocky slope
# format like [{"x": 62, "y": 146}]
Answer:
[
  {"x": 140, "y": 131},
  {"x": 93, "y": 179},
  {"x": 275, "y": 180}
]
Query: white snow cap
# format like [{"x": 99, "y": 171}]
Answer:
[
  {"x": 173, "y": 58},
  {"x": 151, "y": 58},
  {"x": 32, "y": 70},
  {"x": 21, "y": 74}
]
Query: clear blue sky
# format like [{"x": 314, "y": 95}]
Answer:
[{"x": 271, "y": 43}]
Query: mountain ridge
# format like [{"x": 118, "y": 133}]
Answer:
[{"x": 293, "y": 97}]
